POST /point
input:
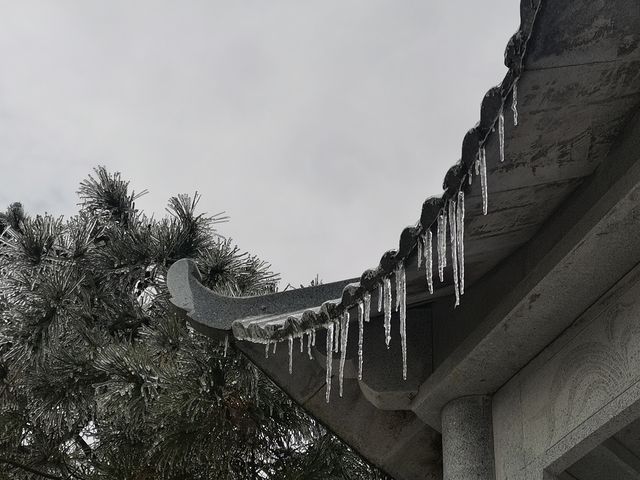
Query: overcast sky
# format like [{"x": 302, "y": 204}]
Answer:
[{"x": 319, "y": 126}]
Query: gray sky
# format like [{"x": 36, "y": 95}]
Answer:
[{"x": 319, "y": 126}]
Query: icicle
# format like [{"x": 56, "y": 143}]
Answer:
[
  {"x": 290, "y": 339},
  {"x": 442, "y": 244},
  {"x": 453, "y": 236},
  {"x": 398, "y": 287},
  {"x": 226, "y": 345},
  {"x": 420, "y": 254},
  {"x": 360, "y": 337},
  {"x": 514, "y": 102},
  {"x": 367, "y": 307},
  {"x": 387, "y": 310},
  {"x": 483, "y": 178},
  {"x": 302, "y": 343},
  {"x": 275, "y": 345},
  {"x": 460, "y": 218},
  {"x": 310, "y": 338},
  {"x": 313, "y": 338},
  {"x": 380, "y": 296},
  {"x": 329, "y": 360},
  {"x": 266, "y": 349},
  {"x": 344, "y": 337},
  {"x": 401, "y": 298},
  {"x": 501, "y": 133},
  {"x": 336, "y": 337},
  {"x": 428, "y": 259}
]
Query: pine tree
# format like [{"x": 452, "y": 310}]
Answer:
[{"x": 101, "y": 378}]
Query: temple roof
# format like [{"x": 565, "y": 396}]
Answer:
[
  {"x": 571, "y": 89},
  {"x": 561, "y": 228}
]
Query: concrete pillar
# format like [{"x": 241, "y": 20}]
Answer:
[{"x": 467, "y": 439}]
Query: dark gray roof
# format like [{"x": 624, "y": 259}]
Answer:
[{"x": 570, "y": 109}]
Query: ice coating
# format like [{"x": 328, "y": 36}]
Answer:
[
  {"x": 428, "y": 259},
  {"x": 453, "y": 237},
  {"x": 290, "y": 340},
  {"x": 460, "y": 219},
  {"x": 344, "y": 337},
  {"x": 360, "y": 337},
  {"x": 387, "y": 310},
  {"x": 482, "y": 162},
  {"x": 367, "y": 306},
  {"x": 514, "y": 103},
  {"x": 501, "y": 133},
  {"x": 401, "y": 299},
  {"x": 442, "y": 244},
  {"x": 329, "y": 360}
]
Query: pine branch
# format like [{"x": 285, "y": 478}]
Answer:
[{"x": 29, "y": 469}]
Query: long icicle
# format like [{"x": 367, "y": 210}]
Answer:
[
  {"x": 336, "y": 336},
  {"x": 380, "y": 296},
  {"x": 302, "y": 343},
  {"x": 329, "y": 359},
  {"x": 367, "y": 307},
  {"x": 401, "y": 299},
  {"x": 344, "y": 337},
  {"x": 501, "y": 133},
  {"x": 290, "y": 340},
  {"x": 453, "y": 236},
  {"x": 360, "y": 337},
  {"x": 398, "y": 287},
  {"x": 387, "y": 310},
  {"x": 266, "y": 349},
  {"x": 420, "y": 248},
  {"x": 428, "y": 259},
  {"x": 309, "y": 339},
  {"x": 442, "y": 245},
  {"x": 514, "y": 102},
  {"x": 483, "y": 179},
  {"x": 460, "y": 218}
]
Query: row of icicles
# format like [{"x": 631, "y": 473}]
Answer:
[{"x": 453, "y": 215}]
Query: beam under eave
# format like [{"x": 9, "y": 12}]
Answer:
[
  {"x": 396, "y": 441},
  {"x": 512, "y": 313}
]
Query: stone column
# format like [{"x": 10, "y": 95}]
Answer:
[{"x": 467, "y": 439}]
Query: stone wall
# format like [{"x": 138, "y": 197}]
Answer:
[{"x": 576, "y": 393}]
